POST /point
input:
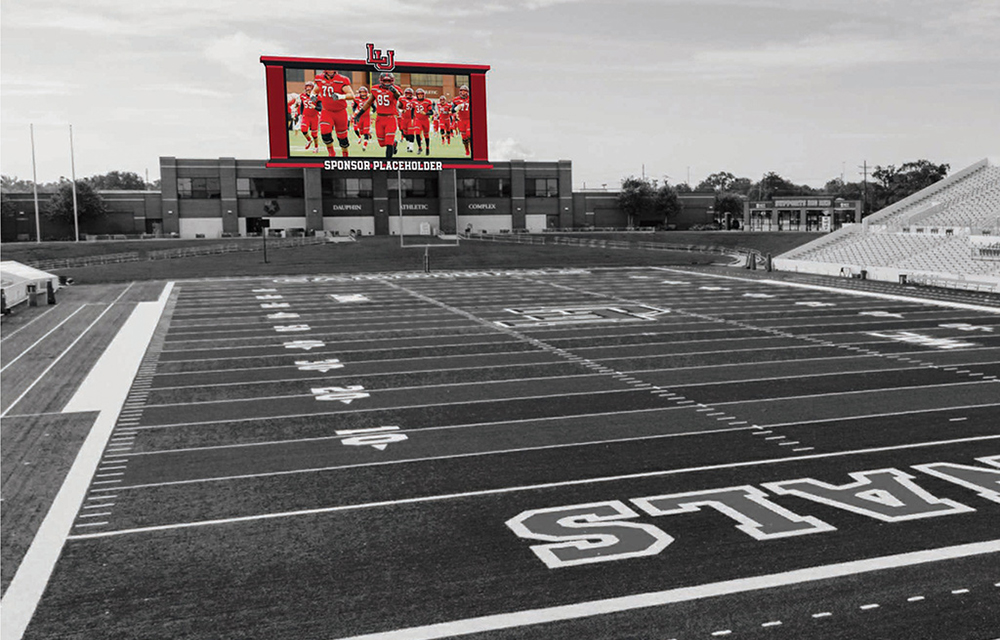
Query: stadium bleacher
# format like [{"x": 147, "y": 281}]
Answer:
[{"x": 942, "y": 234}]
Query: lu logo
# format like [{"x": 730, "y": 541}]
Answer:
[{"x": 381, "y": 62}]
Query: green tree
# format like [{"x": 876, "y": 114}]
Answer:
[
  {"x": 729, "y": 203},
  {"x": 13, "y": 184},
  {"x": 90, "y": 205},
  {"x": 637, "y": 199},
  {"x": 667, "y": 204},
  {"x": 117, "y": 181},
  {"x": 741, "y": 186},
  {"x": 718, "y": 182},
  {"x": 892, "y": 184}
]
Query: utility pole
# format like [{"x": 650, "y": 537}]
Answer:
[{"x": 864, "y": 188}]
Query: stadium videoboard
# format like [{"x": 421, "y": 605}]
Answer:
[{"x": 375, "y": 113}]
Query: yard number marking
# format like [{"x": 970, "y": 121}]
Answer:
[
  {"x": 378, "y": 438},
  {"x": 347, "y": 394}
]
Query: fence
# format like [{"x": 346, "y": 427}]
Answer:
[
  {"x": 169, "y": 254},
  {"x": 85, "y": 261},
  {"x": 521, "y": 238},
  {"x": 276, "y": 243}
]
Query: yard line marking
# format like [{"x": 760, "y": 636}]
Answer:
[
  {"x": 957, "y": 419},
  {"x": 915, "y": 599},
  {"x": 100, "y": 506},
  {"x": 269, "y": 443},
  {"x": 773, "y": 623},
  {"x": 94, "y": 515},
  {"x": 489, "y": 492},
  {"x": 582, "y": 610},
  {"x": 959, "y": 591},
  {"x": 89, "y": 524},
  {"x": 882, "y": 415},
  {"x": 866, "y": 607},
  {"x": 723, "y": 632},
  {"x": 39, "y": 341}
]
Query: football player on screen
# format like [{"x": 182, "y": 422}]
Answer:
[
  {"x": 333, "y": 92},
  {"x": 445, "y": 119},
  {"x": 308, "y": 117},
  {"x": 362, "y": 126},
  {"x": 385, "y": 97},
  {"x": 460, "y": 106},
  {"x": 406, "y": 117},
  {"x": 423, "y": 109}
]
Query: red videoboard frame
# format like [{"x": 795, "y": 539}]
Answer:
[{"x": 275, "y": 66}]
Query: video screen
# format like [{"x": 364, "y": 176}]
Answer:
[{"x": 345, "y": 109}]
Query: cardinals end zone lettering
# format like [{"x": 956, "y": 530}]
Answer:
[{"x": 608, "y": 531}]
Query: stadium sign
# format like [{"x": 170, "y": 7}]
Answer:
[
  {"x": 382, "y": 165},
  {"x": 606, "y": 531}
]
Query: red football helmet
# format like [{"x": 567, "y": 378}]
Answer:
[
  {"x": 463, "y": 91},
  {"x": 362, "y": 92},
  {"x": 309, "y": 86},
  {"x": 421, "y": 93},
  {"x": 386, "y": 79},
  {"x": 408, "y": 92}
]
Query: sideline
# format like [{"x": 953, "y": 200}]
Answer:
[
  {"x": 104, "y": 390},
  {"x": 848, "y": 292},
  {"x": 64, "y": 352},
  {"x": 580, "y": 610}
]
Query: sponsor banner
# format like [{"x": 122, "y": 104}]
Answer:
[{"x": 382, "y": 165}]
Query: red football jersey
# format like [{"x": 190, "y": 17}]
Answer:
[
  {"x": 461, "y": 107},
  {"x": 385, "y": 102},
  {"x": 423, "y": 108},
  {"x": 326, "y": 87},
  {"x": 306, "y": 102},
  {"x": 365, "y": 117}
]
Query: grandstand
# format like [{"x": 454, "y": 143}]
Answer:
[{"x": 945, "y": 235}]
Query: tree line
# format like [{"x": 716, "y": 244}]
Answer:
[
  {"x": 56, "y": 198},
  {"x": 647, "y": 202}
]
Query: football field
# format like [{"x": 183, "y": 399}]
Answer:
[{"x": 580, "y": 453}]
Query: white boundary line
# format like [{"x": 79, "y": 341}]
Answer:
[
  {"x": 104, "y": 389},
  {"x": 579, "y": 610}
]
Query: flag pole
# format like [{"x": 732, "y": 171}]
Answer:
[
  {"x": 34, "y": 186},
  {"x": 72, "y": 165}
]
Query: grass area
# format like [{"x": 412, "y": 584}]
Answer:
[{"x": 377, "y": 254}]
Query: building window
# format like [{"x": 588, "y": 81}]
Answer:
[
  {"x": 414, "y": 187},
  {"x": 541, "y": 188},
  {"x": 343, "y": 188},
  {"x": 295, "y": 75},
  {"x": 199, "y": 188},
  {"x": 269, "y": 188},
  {"x": 426, "y": 79},
  {"x": 483, "y": 188}
]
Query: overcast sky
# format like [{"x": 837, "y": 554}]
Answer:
[{"x": 806, "y": 89}]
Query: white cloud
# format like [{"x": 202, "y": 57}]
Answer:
[
  {"x": 509, "y": 149},
  {"x": 240, "y": 54}
]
